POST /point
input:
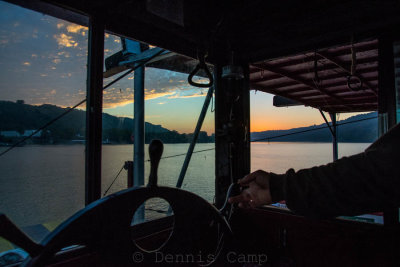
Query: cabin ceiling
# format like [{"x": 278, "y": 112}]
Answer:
[
  {"x": 320, "y": 79},
  {"x": 285, "y": 42},
  {"x": 254, "y": 30},
  {"x": 317, "y": 79}
]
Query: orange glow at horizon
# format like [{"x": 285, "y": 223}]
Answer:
[
  {"x": 264, "y": 116},
  {"x": 260, "y": 126},
  {"x": 266, "y": 124}
]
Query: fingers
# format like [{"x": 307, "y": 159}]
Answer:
[
  {"x": 244, "y": 205},
  {"x": 252, "y": 203},
  {"x": 244, "y": 200},
  {"x": 237, "y": 199},
  {"x": 260, "y": 177},
  {"x": 248, "y": 178},
  {"x": 256, "y": 192}
]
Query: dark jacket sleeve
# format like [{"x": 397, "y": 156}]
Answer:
[{"x": 362, "y": 183}]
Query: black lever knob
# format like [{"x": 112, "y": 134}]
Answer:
[{"x": 156, "y": 149}]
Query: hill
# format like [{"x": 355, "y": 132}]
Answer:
[
  {"x": 362, "y": 132},
  {"x": 22, "y": 117}
]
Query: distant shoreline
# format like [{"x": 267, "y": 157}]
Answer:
[
  {"x": 123, "y": 144},
  {"x": 312, "y": 142}
]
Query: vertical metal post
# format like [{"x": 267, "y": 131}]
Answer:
[
  {"x": 387, "y": 102},
  {"x": 232, "y": 131},
  {"x": 94, "y": 110},
  {"x": 129, "y": 167},
  {"x": 387, "y": 87},
  {"x": 334, "y": 135},
  {"x": 139, "y": 136},
  {"x": 139, "y": 124}
]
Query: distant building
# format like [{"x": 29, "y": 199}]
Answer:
[
  {"x": 29, "y": 132},
  {"x": 10, "y": 134},
  {"x": 16, "y": 134}
]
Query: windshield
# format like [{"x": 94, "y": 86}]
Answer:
[{"x": 43, "y": 123}]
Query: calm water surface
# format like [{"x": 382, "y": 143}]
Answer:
[{"x": 45, "y": 184}]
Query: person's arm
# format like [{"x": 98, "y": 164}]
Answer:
[{"x": 366, "y": 182}]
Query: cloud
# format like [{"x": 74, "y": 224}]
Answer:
[
  {"x": 75, "y": 28},
  {"x": 65, "y": 40},
  {"x": 110, "y": 105},
  {"x": 191, "y": 95},
  {"x": 152, "y": 94},
  {"x": 51, "y": 57},
  {"x": 114, "y": 98},
  {"x": 35, "y": 33},
  {"x": 158, "y": 84},
  {"x": 64, "y": 53}
]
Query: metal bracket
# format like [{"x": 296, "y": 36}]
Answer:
[
  {"x": 327, "y": 123},
  {"x": 129, "y": 56}
]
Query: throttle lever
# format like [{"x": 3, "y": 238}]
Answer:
[{"x": 156, "y": 149}]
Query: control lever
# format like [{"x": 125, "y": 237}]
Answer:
[{"x": 156, "y": 149}]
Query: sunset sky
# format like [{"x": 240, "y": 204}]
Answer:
[{"x": 43, "y": 60}]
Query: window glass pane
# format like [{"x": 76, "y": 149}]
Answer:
[
  {"x": 175, "y": 106},
  {"x": 172, "y": 108},
  {"x": 117, "y": 127},
  {"x": 43, "y": 62},
  {"x": 276, "y": 151}
]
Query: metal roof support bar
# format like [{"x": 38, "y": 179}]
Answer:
[
  {"x": 333, "y": 129},
  {"x": 195, "y": 136},
  {"x": 326, "y": 121},
  {"x": 94, "y": 109},
  {"x": 334, "y": 136}
]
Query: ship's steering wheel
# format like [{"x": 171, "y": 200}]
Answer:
[{"x": 105, "y": 225}]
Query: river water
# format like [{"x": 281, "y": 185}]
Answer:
[{"x": 45, "y": 184}]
